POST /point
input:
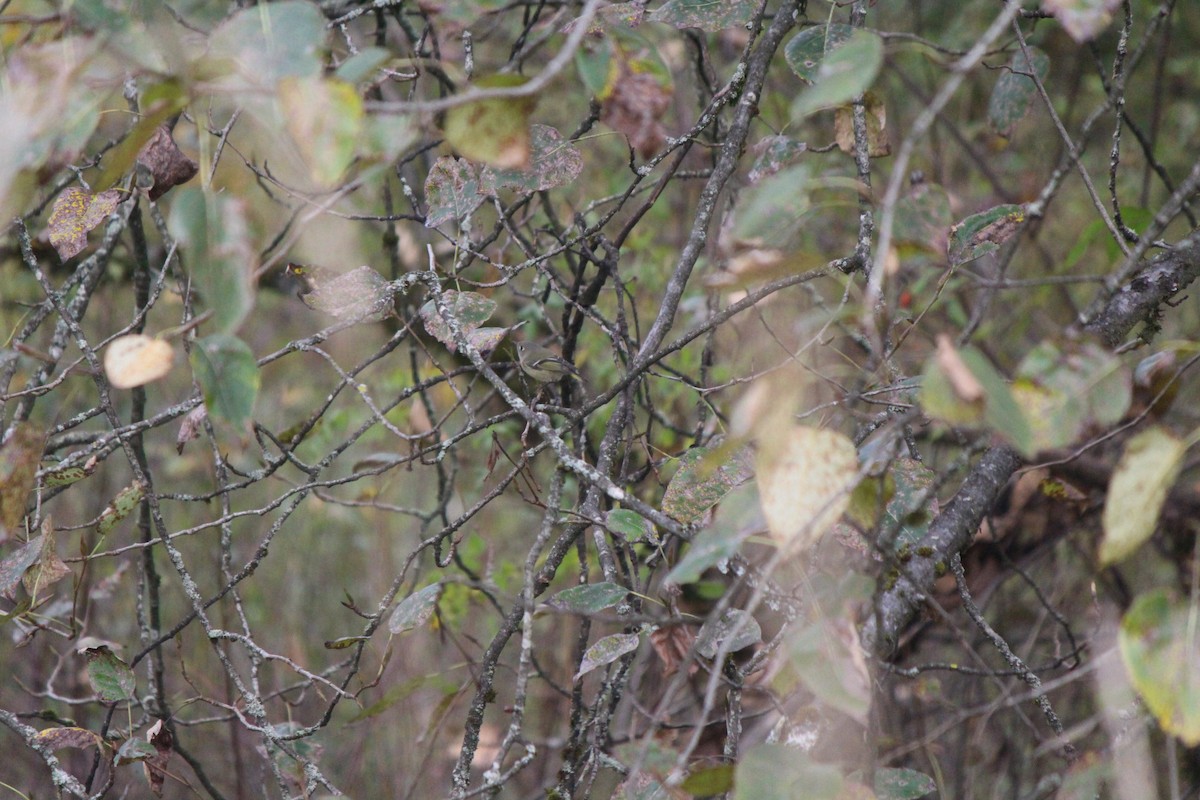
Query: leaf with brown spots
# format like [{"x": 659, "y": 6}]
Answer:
[{"x": 76, "y": 211}]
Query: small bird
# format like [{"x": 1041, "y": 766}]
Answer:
[{"x": 543, "y": 365}]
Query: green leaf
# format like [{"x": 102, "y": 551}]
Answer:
[
  {"x": 707, "y": 15},
  {"x": 111, "y": 678},
  {"x": 705, "y": 475},
  {"x": 325, "y": 118},
  {"x": 590, "y": 598},
  {"x": 213, "y": 230},
  {"x": 134, "y": 749},
  {"x": 554, "y": 162},
  {"x": 416, "y": 609},
  {"x": 631, "y": 526},
  {"x": 606, "y": 651},
  {"x": 983, "y": 233},
  {"x": 902, "y": 784},
  {"x": 493, "y": 132},
  {"x": 452, "y": 191},
  {"x": 1147, "y": 471},
  {"x": 843, "y": 74},
  {"x": 779, "y": 772},
  {"x": 773, "y": 154},
  {"x": 120, "y": 507},
  {"x": 807, "y": 49},
  {"x": 1015, "y": 92},
  {"x": 1160, "y": 646},
  {"x": 228, "y": 376}
]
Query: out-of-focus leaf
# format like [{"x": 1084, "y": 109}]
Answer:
[
  {"x": 830, "y": 661},
  {"x": 590, "y": 598},
  {"x": 75, "y": 212},
  {"x": 606, "y": 651},
  {"x": 325, "y": 118},
  {"x": 842, "y": 74},
  {"x": 120, "y": 507},
  {"x": 769, "y": 213},
  {"x": 805, "y": 476},
  {"x": 401, "y": 692},
  {"x": 190, "y": 428},
  {"x": 1065, "y": 393},
  {"x": 923, "y": 218},
  {"x": 228, "y": 376},
  {"x": 772, "y": 154},
  {"x": 1160, "y": 645},
  {"x": 733, "y": 631},
  {"x": 902, "y": 784},
  {"x": 213, "y": 229},
  {"x": 780, "y": 772},
  {"x": 111, "y": 678},
  {"x": 452, "y": 191},
  {"x": 554, "y": 162},
  {"x": 1016, "y": 92},
  {"x": 416, "y": 609},
  {"x": 19, "y": 459},
  {"x": 707, "y": 15},
  {"x": 807, "y": 49},
  {"x": 967, "y": 390},
  {"x": 705, "y": 475},
  {"x": 983, "y": 233},
  {"x": 362, "y": 64},
  {"x": 493, "y": 132},
  {"x": 709, "y": 781},
  {"x": 136, "y": 360},
  {"x": 1147, "y": 471},
  {"x": 1083, "y": 20},
  {"x": 469, "y": 308},
  {"x": 878, "y": 142},
  {"x": 269, "y": 42},
  {"x": 710, "y": 547}
]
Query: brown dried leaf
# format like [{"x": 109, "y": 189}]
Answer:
[
  {"x": 168, "y": 165},
  {"x": 58, "y": 738},
  {"x": 190, "y": 427},
  {"x": 635, "y": 107},
  {"x": 156, "y": 766},
  {"x": 49, "y": 568},
  {"x": 878, "y": 142},
  {"x": 19, "y": 460}
]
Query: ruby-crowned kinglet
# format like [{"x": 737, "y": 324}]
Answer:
[{"x": 544, "y": 366}]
